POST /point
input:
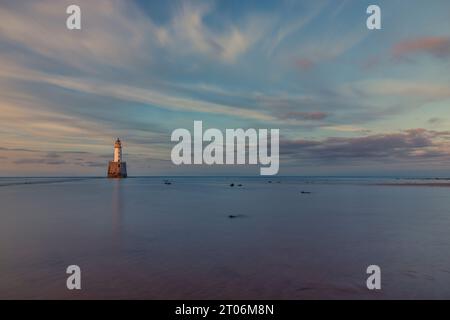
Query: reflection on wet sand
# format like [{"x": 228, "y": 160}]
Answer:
[{"x": 117, "y": 209}]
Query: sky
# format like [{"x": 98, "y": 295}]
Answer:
[{"x": 347, "y": 100}]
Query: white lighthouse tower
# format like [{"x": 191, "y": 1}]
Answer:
[
  {"x": 117, "y": 168},
  {"x": 118, "y": 151}
]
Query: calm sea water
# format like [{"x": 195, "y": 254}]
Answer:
[{"x": 139, "y": 238}]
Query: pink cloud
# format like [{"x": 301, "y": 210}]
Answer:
[{"x": 437, "y": 46}]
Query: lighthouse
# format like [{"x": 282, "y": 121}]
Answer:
[
  {"x": 118, "y": 151},
  {"x": 117, "y": 168}
]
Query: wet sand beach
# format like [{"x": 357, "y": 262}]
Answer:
[{"x": 200, "y": 238}]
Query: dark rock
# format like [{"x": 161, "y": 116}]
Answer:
[
  {"x": 232, "y": 216},
  {"x": 232, "y": 185},
  {"x": 305, "y": 192}
]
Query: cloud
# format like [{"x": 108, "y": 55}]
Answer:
[
  {"x": 188, "y": 33},
  {"x": 135, "y": 73},
  {"x": 345, "y": 128},
  {"x": 112, "y": 33},
  {"x": 285, "y": 30},
  {"x": 435, "y": 46},
  {"x": 17, "y": 149},
  {"x": 53, "y": 155},
  {"x": 407, "y": 145},
  {"x": 329, "y": 46},
  {"x": 315, "y": 116},
  {"x": 41, "y": 157},
  {"x": 39, "y": 161},
  {"x": 396, "y": 87},
  {"x": 50, "y": 154},
  {"x": 438, "y": 47},
  {"x": 436, "y": 120},
  {"x": 120, "y": 35},
  {"x": 93, "y": 164}
]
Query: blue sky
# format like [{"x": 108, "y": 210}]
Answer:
[{"x": 347, "y": 101}]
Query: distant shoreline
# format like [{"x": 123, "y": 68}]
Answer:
[
  {"x": 415, "y": 184},
  {"x": 237, "y": 176},
  {"x": 369, "y": 180},
  {"x": 55, "y": 180}
]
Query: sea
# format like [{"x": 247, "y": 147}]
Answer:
[{"x": 225, "y": 237}]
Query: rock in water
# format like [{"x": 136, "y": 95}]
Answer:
[{"x": 232, "y": 216}]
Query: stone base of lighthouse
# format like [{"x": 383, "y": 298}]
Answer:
[{"x": 117, "y": 169}]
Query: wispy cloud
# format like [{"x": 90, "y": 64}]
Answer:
[
  {"x": 39, "y": 161},
  {"x": 398, "y": 87},
  {"x": 315, "y": 116},
  {"x": 346, "y": 128},
  {"x": 135, "y": 94},
  {"x": 435, "y": 46},
  {"x": 285, "y": 30},
  {"x": 65, "y": 95},
  {"x": 188, "y": 33},
  {"x": 112, "y": 35}
]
